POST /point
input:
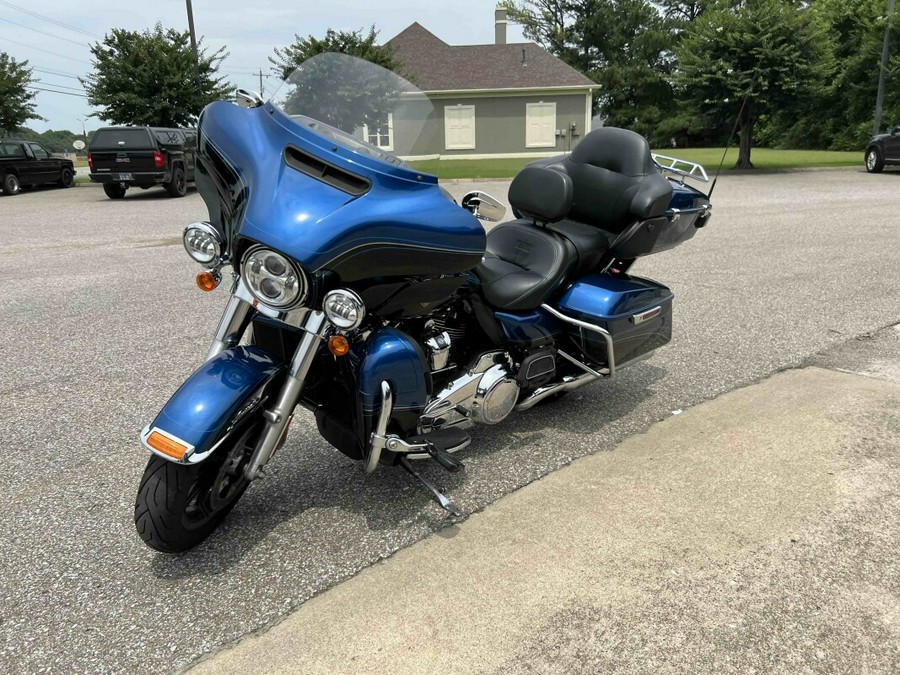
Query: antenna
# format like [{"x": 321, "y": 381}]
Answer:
[{"x": 728, "y": 145}]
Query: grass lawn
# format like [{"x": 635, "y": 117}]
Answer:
[{"x": 763, "y": 158}]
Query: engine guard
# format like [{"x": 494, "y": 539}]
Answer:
[{"x": 218, "y": 393}]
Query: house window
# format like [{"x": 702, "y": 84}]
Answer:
[
  {"x": 540, "y": 125},
  {"x": 459, "y": 127},
  {"x": 381, "y": 135}
]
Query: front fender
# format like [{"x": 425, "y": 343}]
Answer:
[{"x": 210, "y": 399}]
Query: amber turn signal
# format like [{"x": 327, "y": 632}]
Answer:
[
  {"x": 338, "y": 345},
  {"x": 207, "y": 281},
  {"x": 166, "y": 446}
]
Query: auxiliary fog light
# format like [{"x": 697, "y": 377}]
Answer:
[
  {"x": 344, "y": 308},
  {"x": 203, "y": 243}
]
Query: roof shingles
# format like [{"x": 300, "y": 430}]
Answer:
[{"x": 433, "y": 65}]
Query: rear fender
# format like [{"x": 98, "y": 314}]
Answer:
[{"x": 219, "y": 393}]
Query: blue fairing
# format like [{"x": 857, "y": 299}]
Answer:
[
  {"x": 528, "y": 328},
  {"x": 391, "y": 355},
  {"x": 205, "y": 403},
  {"x": 322, "y": 226}
]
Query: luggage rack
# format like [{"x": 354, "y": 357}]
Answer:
[{"x": 680, "y": 167}]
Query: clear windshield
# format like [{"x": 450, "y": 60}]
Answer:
[{"x": 359, "y": 105}]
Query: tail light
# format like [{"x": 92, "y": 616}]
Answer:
[
  {"x": 158, "y": 159},
  {"x": 90, "y": 162}
]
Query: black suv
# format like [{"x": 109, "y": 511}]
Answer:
[
  {"x": 24, "y": 164},
  {"x": 882, "y": 150},
  {"x": 121, "y": 157}
]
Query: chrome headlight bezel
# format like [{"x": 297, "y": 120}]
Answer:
[
  {"x": 344, "y": 308},
  {"x": 203, "y": 233},
  {"x": 254, "y": 280}
]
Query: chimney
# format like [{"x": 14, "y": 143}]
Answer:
[{"x": 500, "y": 26}]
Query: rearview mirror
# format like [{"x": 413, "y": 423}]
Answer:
[
  {"x": 247, "y": 99},
  {"x": 483, "y": 206}
]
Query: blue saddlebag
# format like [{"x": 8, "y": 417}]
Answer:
[{"x": 636, "y": 312}]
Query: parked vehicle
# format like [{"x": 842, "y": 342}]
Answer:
[
  {"x": 883, "y": 150},
  {"x": 124, "y": 157},
  {"x": 26, "y": 164},
  {"x": 363, "y": 292}
]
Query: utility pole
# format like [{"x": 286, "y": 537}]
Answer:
[
  {"x": 261, "y": 90},
  {"x": 885, "y": 55},
  {"x": 190, "y": 13}
]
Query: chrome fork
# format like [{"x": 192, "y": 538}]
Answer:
[
  {"x": 233, "y": 323},
  {"x": 277, "y": 417}
]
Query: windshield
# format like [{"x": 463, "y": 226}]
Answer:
[{"x": 359, "y": 105}]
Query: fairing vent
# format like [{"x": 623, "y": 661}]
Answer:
[{"x": 327, "y": 173}]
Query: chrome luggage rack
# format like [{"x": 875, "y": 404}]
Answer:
[{"x": 680, "y": 167}]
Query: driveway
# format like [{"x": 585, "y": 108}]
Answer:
[{"x": 102, "y": 321}]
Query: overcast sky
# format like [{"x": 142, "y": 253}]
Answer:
[{"x": 248, "y": 29}]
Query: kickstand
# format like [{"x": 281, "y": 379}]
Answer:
[{"x": 445, "y": 503}]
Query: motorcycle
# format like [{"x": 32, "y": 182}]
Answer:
[{"x": 363, "y": 292}]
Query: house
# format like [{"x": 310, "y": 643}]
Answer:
[{"x": 496, "y": 100}]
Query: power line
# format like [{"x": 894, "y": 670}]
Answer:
[
  {"x": 46, "y": 18},
  {"x": 62, "y": 56},
  {"x": 57, "y": 73},
  {"x": 60, "y": 86},
  {"x": 55, "y": 37},
  {"x": 53, "y": 91}
]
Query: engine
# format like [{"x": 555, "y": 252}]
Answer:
[{"x": 485, "y": 393}]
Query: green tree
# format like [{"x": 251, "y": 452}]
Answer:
[
  {"x": 16, "y": 100},
  {"x": 623, "y": 45},
  {"x": 148, "y": 78},
  {"x": 749, "y": 59},
  {"x": 336, "y": 89}
]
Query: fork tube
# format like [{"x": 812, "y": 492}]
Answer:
[
  {"x": 231, "y": 327},
  {"x": 277, "y": 417}
]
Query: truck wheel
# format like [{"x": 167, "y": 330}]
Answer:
[
  {"x": 11, "y": 184},
  {"x": 874, "y": 161},
  {"x": 66, "y": 178},
  {"x": 114, "y": 190},
  {"x": 177, "y": 187}
]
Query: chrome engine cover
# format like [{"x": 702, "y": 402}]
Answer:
[{"x": 486, "y": 393}]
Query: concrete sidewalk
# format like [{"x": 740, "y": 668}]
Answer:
[{"x": 755, "y": 532}]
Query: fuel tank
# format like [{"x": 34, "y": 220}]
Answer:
[{"x": 283, "y": 182}]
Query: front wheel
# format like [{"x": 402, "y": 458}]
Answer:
[
  {"x": 179, "y": 505},
  {"x": 874, "y": 161},
  {"x": 66, "y": 178},
  {"x": 10, "y": 184}
]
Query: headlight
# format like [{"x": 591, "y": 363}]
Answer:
[
  {"x": 344, "y": 308},
  {"x": 203, "y": 243},
  {"x": 273, "y": 279}
]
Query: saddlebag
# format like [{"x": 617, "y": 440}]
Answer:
[{"x": 636, "y": 312}]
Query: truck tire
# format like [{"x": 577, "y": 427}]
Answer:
[
  {"x": 66, "y": 178},
  {"x": 10, "y": 184},
  {"x": 114, "y": 190},
  {"x": 177, "y": 187}
]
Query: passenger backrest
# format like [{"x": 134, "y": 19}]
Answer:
[{"x": 541, "y": 195}]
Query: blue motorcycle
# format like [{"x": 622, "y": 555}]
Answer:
[{"x": 362, "y": 291}]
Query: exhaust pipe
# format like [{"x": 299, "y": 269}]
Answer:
[{"x": 569, "y": 383}]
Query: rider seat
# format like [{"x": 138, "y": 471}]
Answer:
[{"x": 572, "y": 213}]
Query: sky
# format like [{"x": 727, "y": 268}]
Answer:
[{"x": 55, "y": 43}]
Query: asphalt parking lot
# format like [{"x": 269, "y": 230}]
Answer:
[{"x": 102, "y": 321}]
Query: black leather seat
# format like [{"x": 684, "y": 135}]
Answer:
[
  {"x": 523, "y": 264},
  {"x": 573, "y": 211}
]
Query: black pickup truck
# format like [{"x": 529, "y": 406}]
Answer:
[
  {"x": 25, "y": 164},
  {"x": 122, "y": 157}
]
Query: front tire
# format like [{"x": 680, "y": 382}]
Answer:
[
  {"x": 114, "y": 190},
  {"x": 179, "y": 505},
  {"x": 11, "y": 184},
  {"x": 874, "y": 161},
  {"x": 177, "y": 187}
]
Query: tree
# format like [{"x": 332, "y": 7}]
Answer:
[
  {"x": 337, "y": 89},
  {"x": 751, "y": 58},
  {"x": 16, "y": 101},
  {"x": 623, "y": 45},
  {"x": 149, "y": 78}
]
